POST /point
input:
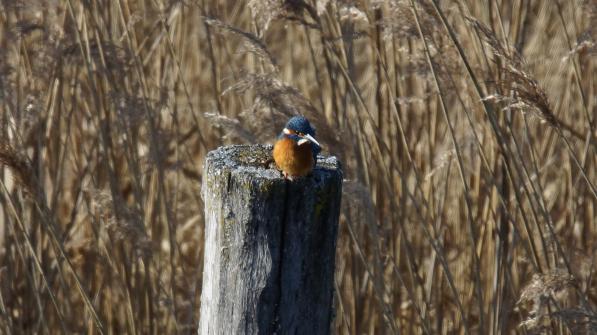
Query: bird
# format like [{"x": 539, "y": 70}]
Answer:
[{"x": 296, "y": 149}]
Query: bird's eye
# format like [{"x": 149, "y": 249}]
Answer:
[{"x": 301, "y": 134}]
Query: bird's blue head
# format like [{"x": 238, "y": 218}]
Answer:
[
  {"x": 300, "y": 125},
  {"x": 299, "y": 129}
]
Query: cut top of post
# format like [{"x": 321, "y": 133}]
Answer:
[{"x": 257, "y": 161}]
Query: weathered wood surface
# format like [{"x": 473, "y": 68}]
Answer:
[{"x": 269, "y": 245}]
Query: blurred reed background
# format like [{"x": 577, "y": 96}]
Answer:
[{"x": 466, "y": 129}]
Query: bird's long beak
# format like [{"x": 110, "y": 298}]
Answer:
[{"x": 306, "y": 138}]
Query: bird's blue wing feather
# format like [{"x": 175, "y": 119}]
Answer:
[{"x": 316, "y": 150}]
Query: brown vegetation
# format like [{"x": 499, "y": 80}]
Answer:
[{"x": 466, "y": 130}]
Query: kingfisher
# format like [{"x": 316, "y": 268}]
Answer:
[{"x": 296, "y": 149}]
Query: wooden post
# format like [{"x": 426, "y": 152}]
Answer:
[{"x": 270, "y": 245}]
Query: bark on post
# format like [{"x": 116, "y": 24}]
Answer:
[{"x": 269, "y": 245}]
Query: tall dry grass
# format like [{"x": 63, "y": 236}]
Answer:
[{"x": 466, "y": 129}]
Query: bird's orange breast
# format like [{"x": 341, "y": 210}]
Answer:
[{"x": 294, "y": 159}]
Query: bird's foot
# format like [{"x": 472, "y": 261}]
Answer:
[{"x": 287, "y": 176}]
